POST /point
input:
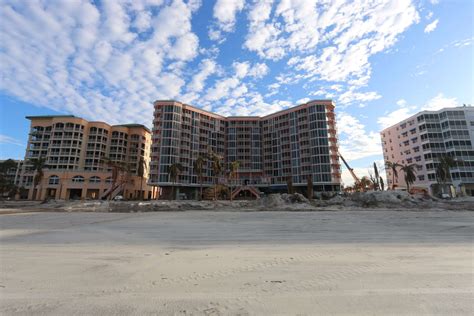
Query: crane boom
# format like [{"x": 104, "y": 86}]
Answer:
[{"x": 356, "y": 179}]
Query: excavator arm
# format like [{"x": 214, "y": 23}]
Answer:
[{"x": 356, "y": 179}]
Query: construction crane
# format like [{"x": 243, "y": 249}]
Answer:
[{"x": 356, "y": 178}]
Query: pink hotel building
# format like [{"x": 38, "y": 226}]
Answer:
[
  {"x": 295, "y": 142},
  {"x": 423, "y": 137}
]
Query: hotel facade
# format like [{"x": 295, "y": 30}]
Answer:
[
  {"x": 424, "y": 137},
  {"x": 74, "y": 150},
  {"x": 293, "y": 143}
]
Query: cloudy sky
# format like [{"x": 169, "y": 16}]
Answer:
[{"x": 380, "y": 61}]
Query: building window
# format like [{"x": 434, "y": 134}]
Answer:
[
  {"x": 53, "y": 180},
  {"x": 108, "y": 180},
  {"x": 78, "y": 179},
  {"x": 94, "y": 179}
]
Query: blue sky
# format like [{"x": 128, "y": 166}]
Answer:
[{"x": 108, "y": 60}]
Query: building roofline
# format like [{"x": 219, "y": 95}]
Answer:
[
  {"x": 129, "y": 125},
  {"x": 133, "y": 125},
  {"x": 290, "y": 109},
  {"x": 424, "y": 112},
  {"x": 253, "y": 116},
  {"x": 30, "y": 117}
]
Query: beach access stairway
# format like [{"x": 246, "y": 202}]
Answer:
[
  {"x": 113, "y": 191},
  {"x": 253, "y": 190}
]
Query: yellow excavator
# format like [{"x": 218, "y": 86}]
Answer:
[{"x": 356, "y": 178}]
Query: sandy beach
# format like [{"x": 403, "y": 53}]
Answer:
[{"x": 237, "y": 263}]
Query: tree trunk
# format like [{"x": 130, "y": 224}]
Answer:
[
  {"x": 309, "y": 192},
  {"x": 200, "y": 188},
  {"x": 141, "y": 188},
  {"x": 111, "y": 190},
  {"x": 215, "y": 189}
]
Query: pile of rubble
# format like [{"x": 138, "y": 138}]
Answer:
[{"x": 374, "y": 200}]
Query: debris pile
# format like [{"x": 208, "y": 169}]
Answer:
[{"x": 374, "y": 200}]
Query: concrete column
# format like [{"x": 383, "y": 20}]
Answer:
[{"x": 84, "y": 190}]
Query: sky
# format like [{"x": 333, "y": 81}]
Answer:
[{"x": 380, "y": 61}]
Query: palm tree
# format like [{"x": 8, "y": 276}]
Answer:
[
  {"x": 443, "y": 170},
  {"x": 393, "y": 167},
  {"x": 233, "y": 168},
  {"x": 373, "y": 181},
  {"x": 410, "y": 176},
  {"x": 38, "y": 165},
  {"x": 216, "y": 168},
  {"x": 141, "y": 173},
  {"x": 6, "y": 185},
  {"x": 309, "y": 189},
  {"x": 198, "y": 169},
  {"x": 365, "y": 183},
  {"x": 174, "y": 171},
  {"x": 376, "y": 175},
  {"x": 289, "y": 185}
]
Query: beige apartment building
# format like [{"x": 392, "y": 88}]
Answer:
[
  {"x": 74, "y": 150},
  {"x": 296, "y": 143}
]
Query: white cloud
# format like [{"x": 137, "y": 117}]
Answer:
[
  {"x": 395, "y": 116},
  {"x": 439, "y": 102},
  {"x": 142, "y": 21},
  {"x": 432, "y": 26},
  {"x": 4, "y": 139},
  {"x": 225, "y": 12},
  {"x": 109, "y": 61},
  {"x": 463, "y": 43},
  {"x": 304, "y": 100},
  {"x": 241, "y": 69},
  {"x": 374, "y": 27},
  {"x": 355, "y": 141},
  {"x": 207, "y": 68},
  {"x": 233, "y": 87},
  {"x": 258, "y": 70},
  {"x": 351, "y": 96},
  {"x": 94, "y": 61}
]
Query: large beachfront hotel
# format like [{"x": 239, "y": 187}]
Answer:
[
  {"x": 74, "y": 151},
  {"x": 297, "y": 142},
  {"x": 422, "y": 138}
]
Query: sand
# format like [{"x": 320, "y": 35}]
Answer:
[{"x": 237, "y": 263}]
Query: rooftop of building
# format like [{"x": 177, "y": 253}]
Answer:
[
  {"x": 290, "y": 109},
  {"x": 129, "y": 125},
  {"x": 464, "y": 107},
  {"x": 31, "y": 117}
]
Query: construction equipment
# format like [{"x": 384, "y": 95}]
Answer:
[{"x": 356, "y": 178}]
